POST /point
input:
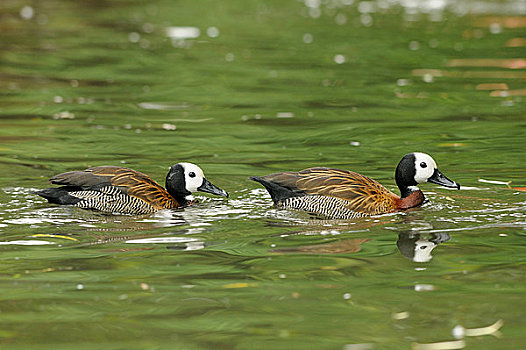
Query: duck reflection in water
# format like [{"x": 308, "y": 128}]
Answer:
[
  {"x": 339, "y": 247},
  {"x": 417, "y": 246}
]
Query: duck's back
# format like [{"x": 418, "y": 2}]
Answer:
[
  {"x": 335, "y": 193},
  {"x": 109, "y": 189}
]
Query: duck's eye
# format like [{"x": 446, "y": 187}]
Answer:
[
  {"x": 191, "y": 174},
  {"x": 423, "y": 165}
]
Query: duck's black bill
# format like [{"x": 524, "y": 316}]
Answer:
[
  {"x": 208, "y": 187},
  {"x": 439, "y": 179}
]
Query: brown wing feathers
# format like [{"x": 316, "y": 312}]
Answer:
[
  {"x": 131, "y": 182},
  {"x": 362, "y": 193},
  {"x": 143, "y": 187},
  {"x": 86, "y": 180}
]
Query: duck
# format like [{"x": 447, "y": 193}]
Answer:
[
  {"x": 344, "y": 194},
  {"x": 115, "y": 189}
]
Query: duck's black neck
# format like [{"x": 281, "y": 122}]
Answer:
[
  {"x": 405, "y": 176},
  {"x": 181, "y": 199},
  {"x": 179, "y": 196},
  {"x": 176, "y": 187}
]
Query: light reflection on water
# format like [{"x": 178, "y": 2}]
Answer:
[
  {"x": 249, "y": 203},
  {"x": 366, "y": 245},
  {"x": 26, "y": 242},
  {"x": 255, "y": 204},
  {"x": 434, "y": 9},
  {"x": 270, "y": 87}
]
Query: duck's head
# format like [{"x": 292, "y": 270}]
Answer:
[
  {"x": 418, "y": 247},
  {"x": 416, "y": 168},
  {"x": 185, "y": 178}
]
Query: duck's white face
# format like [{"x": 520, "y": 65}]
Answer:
[
  {"x": 425, "y": 167},
  {"x": 193, "y": 176}
]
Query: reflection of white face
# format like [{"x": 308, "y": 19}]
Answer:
[
  {"x": 425, "y": 167},
  {"x": 423, "y": 250},
  {"x": 193, "y": 176}
]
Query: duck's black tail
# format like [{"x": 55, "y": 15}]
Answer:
[
  {"x": 277, "y": 192},
  {"x": 58, "y": 195}
]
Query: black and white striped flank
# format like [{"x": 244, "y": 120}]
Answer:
[
  {"x": 111, "y": 199},
  {"x": 331, "y": 207}
]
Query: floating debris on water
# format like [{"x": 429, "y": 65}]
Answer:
[
  {"x": 161, "y": 240},
  {"x": 167, "y": 126},
  {"x": 414, "y": 45},
  {"x": 340, "y": 59},
  {"x": 27, "y": 12},
  {"x": 64, "y": 115},
  {"x": 148, "y": 28},
  {"x": 459, "y": 331},
  {"x": 340, "y": 19},
  {"x": 54, "y": 236},
  {"x": 451, "y": 144},
  {"x": 446, "y": 345},
  {"x": 163, "y": 106},
  {"x": 424, "y": 287},
  {"x": 492, "y": 86},
  {"x": 307, "y": 38},
  {"x": 239, "y": 285},
  {"x": 182, "y": 33},
  {"x": 404, "y": 82},
  {"x": 366, "y": 19},
  {"x": 495, "y": 28},
  {"x": 516, "y": 42},
  {"x": 364, "y": 346},
  {"x": 26, "y": 242},
  {"x": 134, "y": 37},
  {"x": 400, "y": 315},
  {"x": 511, "y": 63},
  {"x": 428, "y": 78},
  {"x": 285, "y": 115},
  {"x": 507, "y": 183},
  {"x": 212, "y": 32}
]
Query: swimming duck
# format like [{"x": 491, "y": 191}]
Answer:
[
  {"x": 116, "y": 189},
  {"x": 343, "y": 194}
]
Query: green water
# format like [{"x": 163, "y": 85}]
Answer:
[{"x": 266, "y": 86}]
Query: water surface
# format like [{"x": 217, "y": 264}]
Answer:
[{"x": 248, "y": 88}]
